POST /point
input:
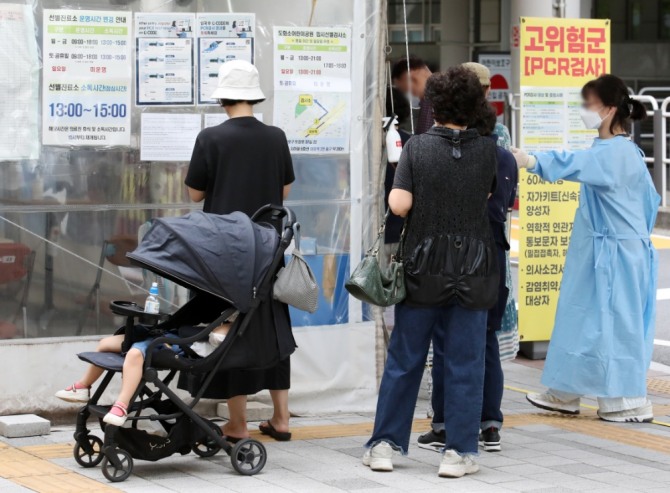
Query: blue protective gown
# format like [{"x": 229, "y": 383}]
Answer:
[{"x": 604, "y": 329}]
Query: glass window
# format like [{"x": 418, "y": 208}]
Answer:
[
  {"x": 664, "y": 19},
  {"x": 423, "y": 17},
  {"x": 642, "y": 21},
  {"x": 615, "y": 10},
  {"x": 435, "y": 12},
  {"x": 414, "y": 33},
  {"x": 414, "y": 12},
  {"x": 488, "y": 21}
]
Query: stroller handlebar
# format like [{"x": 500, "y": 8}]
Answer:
[{"x": 277, "y": 212}]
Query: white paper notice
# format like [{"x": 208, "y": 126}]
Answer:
[
  {"x": 221, "y": 38},
  {"x": 312, "y": 79},
  {"x": 168, "y": 136},
  {"x": 164, "y": 59},
  {"x": 551, "y": 119},
  {"x": 87, "y": 78},
  {"x": 19, "y": 83},
  {"x": 213, "y": 119}
]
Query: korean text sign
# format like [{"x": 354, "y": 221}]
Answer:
[
  {"x": 312, "y": 82},
  {"x": 87, "y": 78},
  {"x": 558, "y": 56}
]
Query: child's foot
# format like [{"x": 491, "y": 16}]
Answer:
[
  {"x": 74, "y": 393},
  {"x": 117, "y": 415}
]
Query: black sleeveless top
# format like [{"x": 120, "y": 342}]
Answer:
[{"x": 449, "y": 254}]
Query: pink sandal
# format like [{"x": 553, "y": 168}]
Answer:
[
  {"x": 74, "y": 393},
  {"x": 117, "y": 415}
]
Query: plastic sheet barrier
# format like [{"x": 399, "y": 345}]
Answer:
[{"x": 101, "y": 104}]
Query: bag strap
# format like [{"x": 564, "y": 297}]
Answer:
[
  {"x": 296, "y": 236},
  {"x": 400, "y": 254},
  {"x": 373, "y": 251}
]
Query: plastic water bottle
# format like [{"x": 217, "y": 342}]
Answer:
[{"x": 152, "y": 304}]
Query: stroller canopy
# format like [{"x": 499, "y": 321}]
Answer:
[{"x": 226, "y": 256}]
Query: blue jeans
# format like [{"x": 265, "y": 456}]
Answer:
[
  {"x": 142, "y": 332},
  {"x": 463, "y": 333},
  {"x": 494, "y": 381},
  {"x": 493, "y": 385}
]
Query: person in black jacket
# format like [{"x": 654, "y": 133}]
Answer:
[
  {"x": 400, "y": 108},
  {"x": 442, "y": 184},
  {"x": 498, "y": 205}
]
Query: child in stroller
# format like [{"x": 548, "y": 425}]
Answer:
[
  {"x": 229, "y": 262},
  {"x": 80, "y": 391}
]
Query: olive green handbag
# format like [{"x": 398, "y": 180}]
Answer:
[{"x": 370, "y": 283}]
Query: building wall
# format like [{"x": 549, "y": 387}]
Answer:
[{"x": 641, "y": 63}]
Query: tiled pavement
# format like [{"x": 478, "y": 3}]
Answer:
[{"x": 541, "y": 453}]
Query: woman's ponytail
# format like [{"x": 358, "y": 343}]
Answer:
[{"x": 637, "y": 110}]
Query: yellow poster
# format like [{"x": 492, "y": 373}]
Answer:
[{"x": 558, "y": 56}]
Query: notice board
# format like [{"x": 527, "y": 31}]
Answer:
[{"x": 557, "y": 57}]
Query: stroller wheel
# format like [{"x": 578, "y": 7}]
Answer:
[
  {"x": 248, "y": 457},
  {"x": 90, "y": 453},
  {"x": 208, "y": 447},
  {"x": 118, "y": 468}
]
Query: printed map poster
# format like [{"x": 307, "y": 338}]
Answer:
[
  {"x": 221, "y": 38},
  {"x": 558, "y": 56},
  {"x": 86, "y": 78},
  {"x": 19, "y": 84},
  {"x": 165, "y": 54},
  {"x": 312, "y": 82}
]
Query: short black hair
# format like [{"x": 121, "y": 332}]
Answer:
[
  {"x": 486, "y": 119},
  {"x": 400, "y": 105},
  {"x": 456, "y": 96},
  {"x": 400, "y": 67},
  {"x": 233, "y": 102}
]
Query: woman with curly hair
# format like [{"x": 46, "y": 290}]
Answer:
[{"x": 442, "y": 185}]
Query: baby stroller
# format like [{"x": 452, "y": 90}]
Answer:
[{"x": 229, "y": 263}]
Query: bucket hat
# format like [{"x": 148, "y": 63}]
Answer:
[
  {"x": 481, "y": 71},
  {"x": 238, "y": 80}
]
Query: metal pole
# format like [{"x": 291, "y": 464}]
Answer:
[{"x": 660, "y": 151}]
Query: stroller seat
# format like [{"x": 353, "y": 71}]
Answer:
[{"x": 108, "y": 361}]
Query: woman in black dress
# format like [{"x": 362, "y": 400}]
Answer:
[{"x": 242, "y": 165}]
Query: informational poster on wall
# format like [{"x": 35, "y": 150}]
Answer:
[
  {"x": 87, "y": 78},
  {"x": 558, "y": 56},
  {"x": 19, "y": 84},
  {"x": 165, "y": 54},
  {"x": 312, "y": 82},
  {"x": 221, "y": 38},
  {"x": 168, "y": 136},
  {"x": 500, "y": 66}
]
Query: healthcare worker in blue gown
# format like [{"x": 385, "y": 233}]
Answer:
[{"x": 604, "y": 329}]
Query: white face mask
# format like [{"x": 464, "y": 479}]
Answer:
[{"x": 591, "y": 119}]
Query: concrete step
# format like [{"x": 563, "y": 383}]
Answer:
[
  {"x": 23, "y": 425},
  {"x": 256, "y": 411}
]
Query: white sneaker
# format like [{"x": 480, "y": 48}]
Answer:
[
  {"x": 73, "y": 394},
  {"x": 379, "y": 457},
  {"x": 643, "y": 414},
  {"x": 454, "y": 465},
  {"x": 550, "y": 402}
]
